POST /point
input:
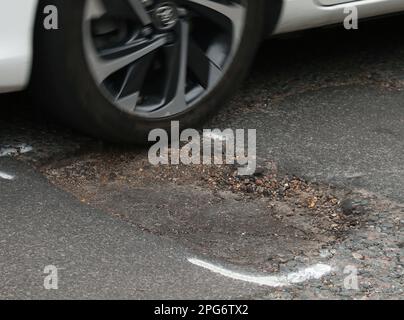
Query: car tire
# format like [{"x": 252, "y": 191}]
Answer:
[{"x": 65, "y": 84}]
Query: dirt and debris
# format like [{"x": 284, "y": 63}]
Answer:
[
  {"x": 211, "y": 209},
  {"x": 132, "y": 169}
]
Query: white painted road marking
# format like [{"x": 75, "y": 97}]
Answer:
[
  {"x": 15, "y": 150},
  {"x": 6, "y": 176},
  {"x": 316, "y": 271}
]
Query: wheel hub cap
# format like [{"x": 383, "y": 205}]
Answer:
[{"x": 166, "y": 16}]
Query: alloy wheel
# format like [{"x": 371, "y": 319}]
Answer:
[{"x": 156, "y": 59}]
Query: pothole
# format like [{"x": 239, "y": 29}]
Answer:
[{"x": 264, "y": 221}]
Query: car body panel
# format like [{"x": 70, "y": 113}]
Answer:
[
  {"x": 16, "y": 37},
  {"x": 333, "y": 2},
  {"x": 17, "y": 28},
  {"x": 305, "y": 14}
]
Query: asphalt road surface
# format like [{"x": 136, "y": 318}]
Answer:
[{"x": 322, "y": 218}]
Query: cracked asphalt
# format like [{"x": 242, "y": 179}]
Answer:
[{"x": 328, "y": 106}]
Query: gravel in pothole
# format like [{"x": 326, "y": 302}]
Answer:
[{"x": 263, "y": 220}]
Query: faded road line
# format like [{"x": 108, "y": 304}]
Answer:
[
  {"x": 314, "y": 272},
  {"x": 6, "y": 176}
]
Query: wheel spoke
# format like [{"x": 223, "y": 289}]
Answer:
[
  {"x": 129, "y": 9},
  {"x": 103, "y": 68},
  {"x": 229, "y": 16},
  {"x": 129, "y": 102},
  {"x": 204, "y": 69},
  {"x": 175, "y": 93},
  {"x": 140, "y": 12},
  {"x": 127, "y": 97},
  {"x": 173, "y": 60}
]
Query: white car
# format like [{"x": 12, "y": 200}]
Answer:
[{"x": 118, "y": 68}]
